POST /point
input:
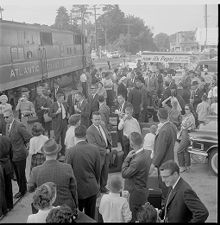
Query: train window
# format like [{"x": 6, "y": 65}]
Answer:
[
  {"x": 78, "y": 39},
  {"x": 29, "y": 54},
  {"x": 17, "y": 53},
  {"x": 46, "y": 38}
]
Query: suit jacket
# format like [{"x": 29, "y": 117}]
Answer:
[
  {"x": 105, "y": 112},
  {"x": 136, "y": 170},
  {"x": 122, "y": 89},
  {"x": 5, "y": 154},
  {"x": 57, "y": 118},
  {"x": 94, "y": 137},
  {"x": 19, "y": 137},
  {"x": 88, "y": 157},
  {"x": 62, "y": 175},
  {"x": 71, "y": 103},
  {"x": 166, "y": 93},
  {"x": 134, "y": 97},
  {"x": 94, "y": 103},
  {"x": 184, "y": 206},
  {"x": 85, "y": 113},
  {"x": 164, "y": 144}
]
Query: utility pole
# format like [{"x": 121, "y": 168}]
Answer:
[
  {"x": 1, "y": 10},
  {"x": 206, "y": 24}
]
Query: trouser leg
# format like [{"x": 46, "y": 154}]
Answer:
[
  {"x": 104, "y": 172},
  {"x": 90, "y": 206}
]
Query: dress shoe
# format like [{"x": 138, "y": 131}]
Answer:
[
  {"x": 19, "y": 195},
  {"x": 104, "y": 190}
]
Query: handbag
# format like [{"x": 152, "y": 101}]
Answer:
[
  {"x": 47, "y": 118},
  {"x": 32, "y": 119}
]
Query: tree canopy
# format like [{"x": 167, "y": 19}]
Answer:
[{"x": 162, "y": 42}]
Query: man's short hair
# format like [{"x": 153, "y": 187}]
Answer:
[
  {"x": 136, "y": 138},
  {"x": 80, "y": 93},
  {"x": 167, "y": 83},
  {"x": 101, "y": 98},
  {"x": 74, "y": 119},
  {"x": 163, "y": 113},
  {"x": 147, "y": 214},
  {"x": 129, "y": 107},
  {"x": 96, "y": 113},
  {"x": 170, "y": 165},
  {"x": 80, "y": 131},
  {"x": 121, "y": 95},
  {"x": 59, "y": 94}
]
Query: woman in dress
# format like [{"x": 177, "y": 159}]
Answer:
[
  {"x": 187, "y": 125},
  {"x": 36, "y": 156}
]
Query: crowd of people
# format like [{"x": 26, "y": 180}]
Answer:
[{"x": 68, "y": 172}]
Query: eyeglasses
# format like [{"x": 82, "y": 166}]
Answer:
[
  {"x": 186, "y": 109},
  {"x": 6, "y": 117}
]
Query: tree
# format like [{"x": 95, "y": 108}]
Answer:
[
  {"x": 62, "y": 20},
  {"x": 162, "y": 42}
]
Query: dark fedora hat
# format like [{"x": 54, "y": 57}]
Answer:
[{"x": 51, "y": 147}]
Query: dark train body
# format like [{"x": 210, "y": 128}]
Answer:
[{"x": 30, "y": 53}]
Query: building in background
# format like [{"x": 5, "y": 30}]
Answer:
[{"x": 183, "y": 41}]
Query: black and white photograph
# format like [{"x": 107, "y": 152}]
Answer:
[{"x": 109, "y": 111}]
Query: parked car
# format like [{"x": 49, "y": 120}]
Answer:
[
  {"x": 204, "y": 142},
  {"x": 115, "y": 54}
]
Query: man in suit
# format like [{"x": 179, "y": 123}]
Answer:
[
  {"x": 120, "y": 111},
  {"x": 59, "y": 114},
  {"x": 166, "y": 92},
  {"x": 104, "y": 111},
  {"x": 19, "y": 137},
  {"x": 98, "y": 135},
  {"x": 57, "y": 172},
  {"x": 135, "y": 170},
  {"x": 86, "y": 156},
  {"x": 71, "y": 101},
  {"x": 83, "y": 108},
  {"x": 57, "y": 89},
  {"x": 93, "y": 100},
  {"x": 134, "y": 97},
  {"x": 196, "y": 94},
  {"x": 182, "y": 204},
  {"x": 163, "y": 145}
]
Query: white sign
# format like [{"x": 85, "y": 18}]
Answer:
[{"x": 166, "y": 58}]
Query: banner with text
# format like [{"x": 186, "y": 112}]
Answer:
[{"x": 166, "y": 58}]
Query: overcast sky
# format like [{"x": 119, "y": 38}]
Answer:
[{"x": 161, "y": 16}]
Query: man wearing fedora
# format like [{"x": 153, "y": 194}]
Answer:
[{"x": 58, "y": 172}]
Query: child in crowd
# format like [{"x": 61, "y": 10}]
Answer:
[
  {"x": 203, "y": 109},
  {"x": 149, "y": 139},
  {"x": 61, "y": 214},
  {"x": 43, "y": 200},
  {"x": 147, "y": 214},
  {"x": 113, "y": 207},
  {"x": 36, "y": 143},
  {"x": 128, "y": 124}
]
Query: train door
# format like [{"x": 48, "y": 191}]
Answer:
[{"x": 42, "y": 55}]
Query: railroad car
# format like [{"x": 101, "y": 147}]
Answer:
[{"x": 30, "y": 53}]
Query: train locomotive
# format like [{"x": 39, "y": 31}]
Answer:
[{"x": 33, "y": 53}]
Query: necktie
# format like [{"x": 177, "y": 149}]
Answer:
[
  {"x": 8, "y": 129},
  {"x": 63, "y": 111},
  {"x": 168, "y": 199},
  {"x": 102, "y": 133}
]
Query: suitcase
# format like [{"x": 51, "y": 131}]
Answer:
[
  {"x": 155, "y": 197},
  {"x": 116, "y": 160}
]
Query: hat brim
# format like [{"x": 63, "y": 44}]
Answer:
[{"x": 59, "y": 147}]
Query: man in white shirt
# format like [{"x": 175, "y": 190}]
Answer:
[
  {"x": 149, "y": 139},
  {"x": 128, "y": 124},
  {"x": 83, "y": 80}
]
